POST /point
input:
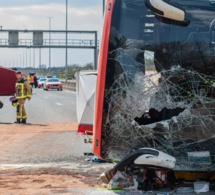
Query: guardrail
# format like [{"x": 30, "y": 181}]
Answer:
[{"x": 69, "y": 84}]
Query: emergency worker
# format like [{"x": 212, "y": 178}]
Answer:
[
  {"x": 32, "y": 80},
  {"x": 28, "y": 78},
  {"x": 23, "y": 92},
  {"x": 35, "y": 81}
]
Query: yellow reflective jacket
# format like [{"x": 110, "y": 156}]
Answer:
[
  {"x": 23, "y": 89},
  {"x": 28, "y": 78}
]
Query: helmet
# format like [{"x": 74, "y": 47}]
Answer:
[
  {"x": 18, "y": 72},
  {"x": 14, "y": 101}
]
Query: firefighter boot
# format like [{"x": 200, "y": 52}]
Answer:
[
  {"x": 23, "y": 121},
  {"x": 17, "y": 121}
]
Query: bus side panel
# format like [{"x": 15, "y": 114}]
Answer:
[{"x": 102, "y": 64}]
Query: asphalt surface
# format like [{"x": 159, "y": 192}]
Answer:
[
  {"x": 34, "y": 148},
  {"x": 45, "y": 107},
  {"x": 55, "y": 148}
]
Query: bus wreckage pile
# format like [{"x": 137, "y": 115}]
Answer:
[
  {"x": 158, "y": 117},
  {"x": 173, "y": 113}
]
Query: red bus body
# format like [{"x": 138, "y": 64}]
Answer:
[
  {"x": 102, "y": 63},
  {"x": 156, "y": 82}
]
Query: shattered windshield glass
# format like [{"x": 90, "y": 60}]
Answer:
[{"x": 160, "y": 84}]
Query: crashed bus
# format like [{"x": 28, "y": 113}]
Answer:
[{"x": 155, "y": 96}]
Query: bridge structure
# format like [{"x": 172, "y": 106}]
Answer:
[{"x": 11, "y": 38}]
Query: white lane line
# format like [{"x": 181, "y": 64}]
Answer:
[
  {"x": 59, "y": 104},
  {"x": 46, "y": 97},
  {"x": 68, "y": 91},
  {"x": 20, "y": 166}
]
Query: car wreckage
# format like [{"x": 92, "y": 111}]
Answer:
[{"x": 155, "y": 96}]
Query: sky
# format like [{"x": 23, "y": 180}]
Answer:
[{"x": 32, "y": 15}]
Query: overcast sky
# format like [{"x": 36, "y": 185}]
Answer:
[{"x": 32, "y": 15}]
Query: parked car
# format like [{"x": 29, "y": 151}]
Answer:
[
  {"x": 41, "y": 81},
  {"x": 52, "y": 83}
]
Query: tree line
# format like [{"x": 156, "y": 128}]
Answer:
[{"x": 58, "y": 71}]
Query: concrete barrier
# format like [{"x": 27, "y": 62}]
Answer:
[{"x": 69, "y": 84}]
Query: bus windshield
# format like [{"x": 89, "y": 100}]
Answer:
[{"x": 160, "y": 79}]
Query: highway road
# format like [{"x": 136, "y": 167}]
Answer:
[
  {"x": 47, "y": 159},
  {"x": 47, "y": 152},
  {"x": 52, "y": 122},
  {"x": 45, "y": 107}
]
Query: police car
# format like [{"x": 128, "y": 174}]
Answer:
[{"x": 52, "y": 83}]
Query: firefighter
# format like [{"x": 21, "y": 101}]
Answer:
[{"x": 23, "y": 92}]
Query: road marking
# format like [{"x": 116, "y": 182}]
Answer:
[
  {"x": 69, "y": 91},
  {"x": 46, "y": 97},
  {"x": 59, "y": 104},
  {"x": 40, "y": 165}
]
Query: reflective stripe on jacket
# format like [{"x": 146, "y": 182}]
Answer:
[{"x": 23, "y": 89}]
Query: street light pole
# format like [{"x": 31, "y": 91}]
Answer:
[
  {"x": 49, "y": 43},
  {"x": 66, "y": 71},
  {"x": 30, "y": 58},
  {"x": 34, "y": 57},
  {"x": 40, "y": 67},
  {"x": 26, "y": 59},
  {"x": 23, "y": 65},
  {"x": 103, "y": 7},
  {"x": 20, "y": 60}
]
